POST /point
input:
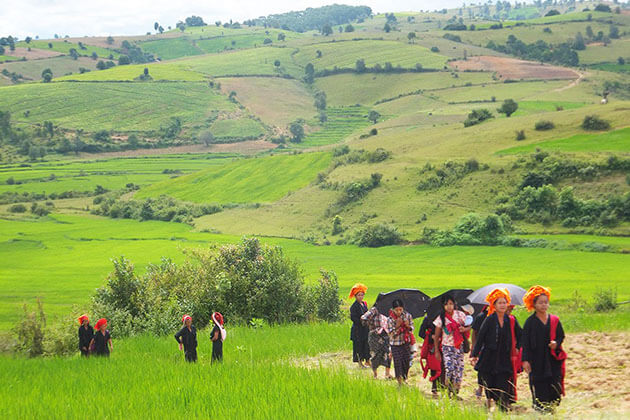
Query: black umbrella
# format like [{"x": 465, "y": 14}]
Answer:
[
  {"x": 460, "y": 296},
  {"x": 414, "y": 301},
  {"x": 516, "y": 293}
]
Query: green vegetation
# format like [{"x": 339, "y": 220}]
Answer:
[
  {"x": 157, "y": 71},
  {"x": 617, "y": 140},
  {"x": 244, "y": 181},
  {"x": 64, "y": 47},
  {"x": 236, "y": 129},
  {"x": 341, "y": 122}
]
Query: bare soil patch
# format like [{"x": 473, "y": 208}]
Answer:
[
  {"x": 515, "y": 69},
  {"x": 597, "y": 385}
]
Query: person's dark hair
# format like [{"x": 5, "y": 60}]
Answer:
[
  {"x": 445, "y": 299},
  {"x": 396, "y": 303}
]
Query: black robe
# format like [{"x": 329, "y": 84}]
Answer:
[
  {"x": 101, "y": 343},
  {"x": 359, "y": 332},
  {"x": 189, "y": 339},
  {"x": 85, "y": 337},
  {"x": 546, "y": 375},
  {"x": 494, "y": 349},
  {"x": 217, "y": 346}
]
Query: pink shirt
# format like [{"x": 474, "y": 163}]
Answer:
[{"x": 459, "y": 317}]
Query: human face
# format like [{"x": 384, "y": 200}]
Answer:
[
  {"x": 542, "y": 304},
  {"x": 85, "y": 322},
  {"x": 103, "y": 328},
  {"x": 359, "y": 297},
  {"x": 398, "y": 310},
  {"x": 501, "y": 305},
  {"x": 449, "y": 307},
  {"x": 188, "y": 322}
]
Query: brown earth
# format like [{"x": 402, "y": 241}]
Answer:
[
  {"x": 597, "y": 379},
  {"x": 514, "y": 69},
  {"x": 33, "y": 54},
  {"x": 244, "y": 147}
]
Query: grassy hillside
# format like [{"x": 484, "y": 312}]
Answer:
[
  {"x": 65, "y": 47},
  {"x": 157, "y": 71},
  {"x": 244, "y": 181},
  {"x": 107, "y": 106},
  {"x": 32, "y": 69}
]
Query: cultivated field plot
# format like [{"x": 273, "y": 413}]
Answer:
[
  {"x": 256, "y": 61},
  {"x": 65, "y": 46},
  {"x": 598, "y": 53},
  {"x": 514, "y": 69},
  {"x": 243, "y": 41},
  {"x": 344, "y": 54},
  {"x": 112, "y": 106},
  {"x": 367, "y": 89},
  {"x": 613, "y": 141},
  {"x": 32, "y": 69},
  {"x": 112, "y": 174},
  {"x": 264, "y": 179},
  {"x": 238, "y": 128},
  {"x": 342, "y": 121},
  {"x": 276, "y": 101},
  {"x": 33, "y": 54},
  {"x": 499, "y": 91},
  {"x": 158, "y": 71},
  {"x": 169, "y": 48}
]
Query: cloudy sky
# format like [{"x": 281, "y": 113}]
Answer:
[{"x": 133, "y": 17}]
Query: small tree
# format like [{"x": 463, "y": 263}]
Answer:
[
  {"x": 110, "y": 40},
  {"x": 327, "y": 30},
  {"x": 520, "y": 135},
  {"x": 578, "y": 43},
  {"x": 124, "y": 60},
  {"x": 267, "y": 41},
  {"x": 508, "y": 108},
  {"x": 281, "y": 37},
  {"x": 336, "y": 225},
  {"x": 320, "y": 100},
  {"x": 594, "y": 123},
  {"x": 621, "y": 61},
  {"x": 276, "y": 63},
  {"x": 373, "y": 116},
  {"x": 30, "y": 331},
  {"x": 411, "y": 36},
  {"x": 360, "y": 66},
  {"x": 47, "y": 75},
  {"x": 387, "y": 28},
  {"x": 309, "y": 71},
  {"x": 297, "y": 131},
  {"x": 614, "y": 32},
  {"x": 206, "y": 137},
  {"x": 349, "y": 28}
]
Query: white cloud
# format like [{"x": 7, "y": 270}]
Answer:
[{"x": 135, "y": 17}]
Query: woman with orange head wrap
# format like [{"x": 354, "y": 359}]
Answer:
[
  {"x": 496, "y": 350},
  {"x": 86, "y": 333},
  {"x": 359, "y": 332},
  {"x": 543, "y": 357}
]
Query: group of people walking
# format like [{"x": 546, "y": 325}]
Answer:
[
  {"x": 97, "y": 340},
  {"x": 499, "y": 351}
]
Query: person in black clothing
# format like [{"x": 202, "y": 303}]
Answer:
[
  {"x": 217, "y": 336},
  {"x": 187, "y": 337},
  {"x": 476, "y": 326},
  {"x": 101, "y": 342},
  {"x": 492, "y": 354},
  {"x": 86, "y": 333},
  {"x": 359, "y": 332},
  {"x": 545, "y": 371}
]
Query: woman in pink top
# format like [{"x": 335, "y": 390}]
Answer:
[{"x": 449, "y": 335}]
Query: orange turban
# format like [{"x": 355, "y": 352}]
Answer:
[
  {"x": 494, "y": 295},
  {"x": 100, "y": 323},
  {"x": 359, "y": 287},
  {"x": 83, "y": 318},
  {"x": 533, "y": 293}
]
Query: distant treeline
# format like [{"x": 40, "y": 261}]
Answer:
[{"x": 313, "y": 18}]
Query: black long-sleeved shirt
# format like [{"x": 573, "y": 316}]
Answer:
[
  {"x": 187, "y": 337},
  {"x": 358, "y": 330},
  {"x": 536, "y": 338},
  {"x": 494, "y": 345},
  {"x": 85, "y": 336}
]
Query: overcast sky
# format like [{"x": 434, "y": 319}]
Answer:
[{"x": 135, "y": 17}]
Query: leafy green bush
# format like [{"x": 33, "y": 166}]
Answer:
[
  {"x": 605, "y": 300},
  {"x": 163, "y": 208},
  {"x": 520, "y": 135},
  {"x": 17, "y": 208},
  {"x": 377, "y": 235},
  {"x": 544, "y": 125},
  {"x": 30, "y": 331},
  {"x": 477, "y": 116},
  {"x": 594, "y": 123},
  {"x": 243, "y": 281}
]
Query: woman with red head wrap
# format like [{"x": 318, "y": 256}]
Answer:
[
  {"x": 543, "y": 357},
  {"x": 359, "y": 333},
  {"x": 86, "y": 333},
  {"x": 496, "y": 351},
  {"x": 187, "y": 338},
  {"x": 101, "y": 343},
  {"x": 217, "y": 336}
]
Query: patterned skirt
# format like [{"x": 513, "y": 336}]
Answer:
[
  {"x": 379, "y": 350},
  {"x": 402, "y": 356}
]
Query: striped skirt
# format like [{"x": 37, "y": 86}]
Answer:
[{"x": 402, "y": 356}]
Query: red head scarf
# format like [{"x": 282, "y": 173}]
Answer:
[
  {"x": 357, "y": 288},
  {"x": 100, "y": 323},
  {"x": 217, "y": 317},
  {"x": 533, "y": 293},
  {"x": 83, "y": 318},
  {"x": 494, "y": 295},
  {"x": 185, "y": 317}
]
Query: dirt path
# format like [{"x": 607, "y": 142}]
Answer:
[
  {"x": 597, "y": 381},
  {"x": 573, "y": 83}
]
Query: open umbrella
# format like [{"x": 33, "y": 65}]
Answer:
[
  {"x": 414, "y": 300},
  {"x": 516, "y": 293},
  {"x": 460, "y": 296}
]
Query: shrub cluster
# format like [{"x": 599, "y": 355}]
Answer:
[
  {"x": 450, "y": 172},
  {"x": 377, "y": 235}
]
